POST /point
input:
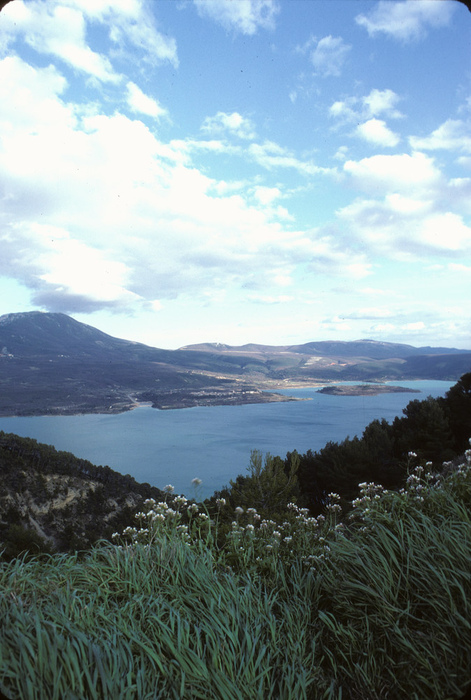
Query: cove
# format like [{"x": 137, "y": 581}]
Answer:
[{"x": 214, "y": 443}]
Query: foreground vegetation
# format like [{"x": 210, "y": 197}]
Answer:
[{"x": 373, "y": 604}]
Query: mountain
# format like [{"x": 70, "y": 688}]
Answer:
[
  {"x": 51, "y": 363},
  {"x": 371, "y": 349}
]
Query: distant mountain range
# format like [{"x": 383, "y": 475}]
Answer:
[
  {"x": 51, "y": 363},
  {"x": 370, "y": 349}
]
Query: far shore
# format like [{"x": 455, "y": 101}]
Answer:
[{"x": 366, "y": 389}]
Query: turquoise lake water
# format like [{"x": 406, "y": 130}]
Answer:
[{"x": 213, "y": 443}]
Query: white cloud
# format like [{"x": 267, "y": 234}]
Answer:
[
  {"x": 243, "y": 16},
  {"x": 233, "y": 123},
  {"x": 405, "y": 235},
  {"x": 115, "y": 217},
  {"x": 464, "y": 161},
  {"x": 369, "y": 313},
  {"x": 377, "y": 133},
  {"x": 452, "y": 135},
  {"x": 341, "y": 153},
  {"x": 382, "y": 102},
  {"x": 407, "y": 20},
  {"x": 268, "y": 299},
  {"x": 375, "y": 104},
  {"x": 270, "y": 155},
  {"x": 141, "y": 103},
  {"x": 446, "y": 231},
  {"x": 458, "y": 267},
  {"x": 37, "y": 103},
  {"x": 395, "y": 173},
  {"x": 267, "y": 154},
  {"x": 266, "y": 195},
  {"x": 336, "y": 324},
  {"x": 417, "y": 212},
  {"x": 330, "y": 55},
  {"x": 99, "y": 9},
  {"x": 415, "y": 326},
  {"x": 76, "y": 269},
  {"x": 59, "y": 28}
]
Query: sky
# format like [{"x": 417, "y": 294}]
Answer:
[{"x": 268, "y": 171}]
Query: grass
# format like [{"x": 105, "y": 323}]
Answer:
[{"x": 377, "y": 606}]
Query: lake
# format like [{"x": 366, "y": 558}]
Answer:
[{"x": 213, "y": 443}]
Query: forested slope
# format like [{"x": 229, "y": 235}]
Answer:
[{"x": 52, "y": 499}]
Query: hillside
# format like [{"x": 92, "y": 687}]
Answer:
[
  {"x": 53, "y": 364},
  {"x": 50, "y": 497}
]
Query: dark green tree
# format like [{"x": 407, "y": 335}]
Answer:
[
  {"x": 425, "y": 430},
  {"x": 457, "y": 403},
  {"x": 269, "y": 486}
]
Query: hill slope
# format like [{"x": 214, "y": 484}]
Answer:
[
  {"x": 51, "y": 363},
  {"x": 54, "y": 497}
]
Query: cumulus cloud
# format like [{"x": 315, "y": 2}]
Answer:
[
  {"x": 406, "y": 234},
  {"x": 377, "y": 133},
  {"x": 59, "y": 28},
  {"x": 141, "y": 103},
  {"x": 243, "y": 16},
  {"x": 376, "y": 103},
  {"x": 394, "y": 173},
  {"x": 408, "y": 20},
  {"x": 329, "y": 55},
  {"x": 116, "y": 218},
  {"x": 266, "y": 195},
  {"x": 452, "y": 135},
  {"x": 233, "y": 123},
  {"x": 411, "y": 210}
]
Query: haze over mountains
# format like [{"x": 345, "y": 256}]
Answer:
[{"x": 51, "y": 363}]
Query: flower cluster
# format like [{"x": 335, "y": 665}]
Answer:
[
  {"x": 263, "y": 541},
  {"x": 421, "y": 485},
  {"x": 253, "y": 543},
  {"x": 159, "y": 519},
  {"x": 369, "y": 492}
]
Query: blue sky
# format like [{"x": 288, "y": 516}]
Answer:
[{"x": 269, "y": 171}]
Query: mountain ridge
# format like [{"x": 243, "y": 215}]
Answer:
[
  {"x": 51, "y": 363},
  {"x": 346, "y": 348}
]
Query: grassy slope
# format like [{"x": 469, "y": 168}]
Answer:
[{"x": 377, "y": 608}]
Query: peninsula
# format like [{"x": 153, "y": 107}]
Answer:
[
  {"x": 51, "y": 364},
  {"x": 365, "y": 389}
]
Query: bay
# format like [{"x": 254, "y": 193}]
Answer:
[{"x": 214, "y": 443}]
